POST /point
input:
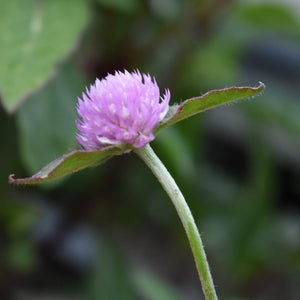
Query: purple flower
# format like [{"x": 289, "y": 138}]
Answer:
[{"x": 120, "y": 110}]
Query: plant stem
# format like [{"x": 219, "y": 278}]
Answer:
[{"x": 164, "y": 177}]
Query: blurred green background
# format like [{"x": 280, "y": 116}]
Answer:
[{"x": 111, "y": 232}]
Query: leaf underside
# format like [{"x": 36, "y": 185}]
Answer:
[
  {"x": 207, "y": 101},
  {"x": 81, "y": 159},
  {"x": 67, "y": 164}
]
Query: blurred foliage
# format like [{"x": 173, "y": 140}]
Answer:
[
  {"x": 112, "y": 230},
  {"x": 33, "y": 42},
  {"x": 47, "y": 132}
]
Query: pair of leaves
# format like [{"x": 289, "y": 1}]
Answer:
[{"x": 81, "y": 159}]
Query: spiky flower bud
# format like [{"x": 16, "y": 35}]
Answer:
[{"x": 120, "y": 110}]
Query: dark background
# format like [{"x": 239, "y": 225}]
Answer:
[{"x": 111, "y": 232}]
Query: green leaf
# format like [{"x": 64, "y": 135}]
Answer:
[
  {"x": 67, "y": 164},
  {"x": 46, "y": 122},
  {"x": 34, "y": 37},
  {"x": 151, "y": 287},
  {"x": 209, "y": 100},
  {"x": 110, "y": 277},
  {"x": 21, "y": 254},
  {"x": 126, "y": 6},
  {"x": 280, "y": 17}
]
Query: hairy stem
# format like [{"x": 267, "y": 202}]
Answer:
[{"x": 164, "y": 177}]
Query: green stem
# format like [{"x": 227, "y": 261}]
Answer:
[{"x": 164, "y": 177}]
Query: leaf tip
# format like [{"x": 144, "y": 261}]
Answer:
[
  {"x": 11, "y": 178},
  {"x": 261, "y": 85}
]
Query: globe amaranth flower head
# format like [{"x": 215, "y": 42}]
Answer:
[{"x": 120, "y": 110}]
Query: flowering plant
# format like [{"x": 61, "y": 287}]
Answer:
[
  {"x": 124, "y": 112},
  {"x": 80, "y": 159}
]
